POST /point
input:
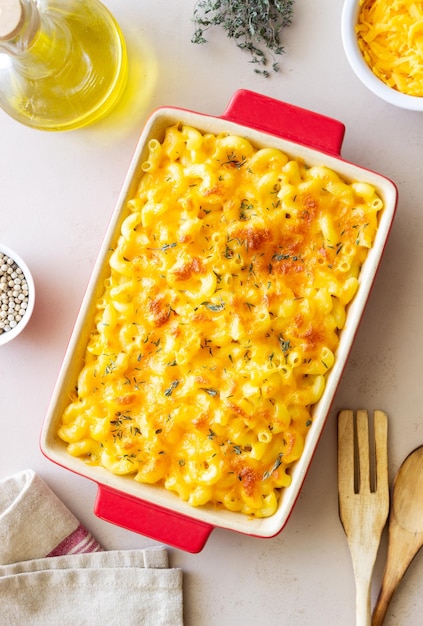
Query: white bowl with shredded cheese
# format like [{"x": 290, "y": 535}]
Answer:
[
  {"x": 385, "y": 71},
  {"x": 17, "y": 294}
]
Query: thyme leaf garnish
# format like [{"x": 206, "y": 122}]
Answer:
[
  {"x": 274, "y": 467},
  {"x": 210, "y": 392},
  {"x": 165, "y": 247},
  {"x": 173, "y": 385},
  {"x": 284, "y": 344},
  {"x": 214, "y": 307}
]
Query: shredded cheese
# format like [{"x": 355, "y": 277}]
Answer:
[{"x": 390, "y": 37}]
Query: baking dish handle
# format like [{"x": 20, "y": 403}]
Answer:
[
  {"x": 285, "y": 120},
  {"x": 151, "y": 520}
]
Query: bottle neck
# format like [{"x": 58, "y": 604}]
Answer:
[
  {"x": 34, "y": 47},
  {"x": 21, "y": 37}
]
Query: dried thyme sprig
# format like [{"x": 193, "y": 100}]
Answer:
[{"x": 255, "y": 25}]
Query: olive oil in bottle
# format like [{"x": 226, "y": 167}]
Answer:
[{"x": 63, "y": 63}]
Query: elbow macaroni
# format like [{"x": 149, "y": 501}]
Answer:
[{"x": 220, "y": 318}]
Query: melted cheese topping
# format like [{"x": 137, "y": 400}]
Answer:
[
  {"x": 220, "y": 319},
  {"x": 390, "y": 36}
]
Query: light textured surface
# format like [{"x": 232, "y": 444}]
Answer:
[{"x": 57, "y": 192}]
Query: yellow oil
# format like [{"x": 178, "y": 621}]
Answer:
[{"x": 74, "y": 71}]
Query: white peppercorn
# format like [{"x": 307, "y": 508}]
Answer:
[{"x": 13, "y": 293}]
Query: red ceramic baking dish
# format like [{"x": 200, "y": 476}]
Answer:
[{"x": 152, "y": 510}]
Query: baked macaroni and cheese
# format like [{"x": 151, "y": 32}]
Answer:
[{"x": 220, "y": 318}]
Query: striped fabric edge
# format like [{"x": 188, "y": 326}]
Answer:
[{"x": 80, "y": 541}]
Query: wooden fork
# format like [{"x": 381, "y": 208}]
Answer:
[{"x": 363, "y": 496}]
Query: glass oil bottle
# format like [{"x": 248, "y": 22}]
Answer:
[{"x": 63, "y": 63}]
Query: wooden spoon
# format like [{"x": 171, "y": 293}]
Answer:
[{"x": 405, "y": 529}]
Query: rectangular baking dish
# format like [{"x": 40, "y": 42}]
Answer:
[{"x": 152, "y": 510}]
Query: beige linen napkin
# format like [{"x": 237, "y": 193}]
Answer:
[
  {"x": 35, "y": 523},
  {"x": 98, "y": 589},
  {"x": 89, "y": 588}
]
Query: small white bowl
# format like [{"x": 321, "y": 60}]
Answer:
[
  {"x": 8, "y": 335},
  {"x": 362, "y": 70}
]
